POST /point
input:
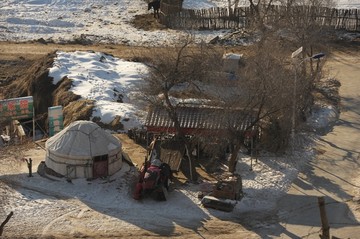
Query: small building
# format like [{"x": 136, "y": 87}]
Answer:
[
  {"x": 231, "y": 63},
  {"x": 83, "y": 150},
  {"x": 199, "y": 121}
]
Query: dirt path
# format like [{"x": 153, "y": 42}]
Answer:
[
  {"x": 12, "y": 51},
  {"x": 334, "y": 174}
]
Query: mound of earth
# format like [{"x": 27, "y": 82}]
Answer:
[{"x": 33, "y": 80}]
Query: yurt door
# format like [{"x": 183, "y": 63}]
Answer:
[{"x": 100, "y": 166}]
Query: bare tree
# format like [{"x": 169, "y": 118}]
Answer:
[
  {"x": 233, "y": 4},
  {"x": 300, "y": 21},
  {"x": 263, "y": 92},
  {"x": 304, "y": 26},
  {"x": 293, "y": 24},
  {"x": 264, "y": 95},
  {"x": 259, "y": 10},
  {"x": 177, "y": 74}
]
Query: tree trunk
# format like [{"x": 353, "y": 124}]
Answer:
[
  {"x": 6, "y": 221},
  {"x": 232, "y": 161}
]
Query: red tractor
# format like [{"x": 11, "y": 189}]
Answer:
[{"x": 154, "y": 179}]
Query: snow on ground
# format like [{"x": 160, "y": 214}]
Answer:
[
  {"x": 100, "y": 21},
  {"x": 105, "y": 79},
  {"x": 347, "y": 3},
  {"x": 323, "y": 116},
  {"x": 60, "y": 203},
  {"x": 65, "y": 20}
]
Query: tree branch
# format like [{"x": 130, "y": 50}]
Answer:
[{"x": 4, "y": 222}]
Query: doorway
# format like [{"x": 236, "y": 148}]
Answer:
[{"x": 100, "y": 166}]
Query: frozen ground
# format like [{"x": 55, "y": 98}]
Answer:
[
  {"x": 102, "y": 78},
  {"x": 59, "y": 207},
  {"x": 74, "y": 208},
  {"x": 48, "y": 205},
  {"x": 110, "y": 81},
  {"x": 100, "y": 21},
  {"x": 63, "y": 207}
]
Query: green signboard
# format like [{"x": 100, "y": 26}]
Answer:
[
  {"x": 17, "y": 108},
  {"x": 56, "y": 121}
]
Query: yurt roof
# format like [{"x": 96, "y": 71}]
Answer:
[{"x": 82, "y": 140}]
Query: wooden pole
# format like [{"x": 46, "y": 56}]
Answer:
[
  {"x": 251, "y": 153},
  {"x": 232, "y": 161},
  {"x": 190, "y": 163},
  {"x": 30, "y": 167},
  {"x": 34, "y": 136},
  {"x": 324, "y": 222},
  {"x": 4, "y": 222}
]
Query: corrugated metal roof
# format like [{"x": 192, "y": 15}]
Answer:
[{"x": 200, "y": 118}]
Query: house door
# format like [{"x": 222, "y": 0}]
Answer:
[{"x": 100, "y": 166}]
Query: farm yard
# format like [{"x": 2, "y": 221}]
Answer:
[{"x": 106, "y": 44}]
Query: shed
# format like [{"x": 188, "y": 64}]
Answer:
[
  {"x": 231, "y": 62},
  {"x": 199, "y": 120}
]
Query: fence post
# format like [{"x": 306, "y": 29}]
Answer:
[
  {"x": 324, "y": 221},
  {"x": 356, "y": 21}
]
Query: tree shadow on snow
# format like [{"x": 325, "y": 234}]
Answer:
[
  {"x": 292, "y": 210},
  {"x": 112, "y": 198},
  {"x": 350, "y": 104},
  {"x": 347, "y": 154},
  {"x": 296, "y": 211}
]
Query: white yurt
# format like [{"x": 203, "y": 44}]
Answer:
[{"x": 83, "y": 150}]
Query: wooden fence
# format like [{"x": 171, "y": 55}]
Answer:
[
  {"x": 170, "y": 6},
  {"x": 213, "y": 18},
  {"x": 222, "y": 18}
]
